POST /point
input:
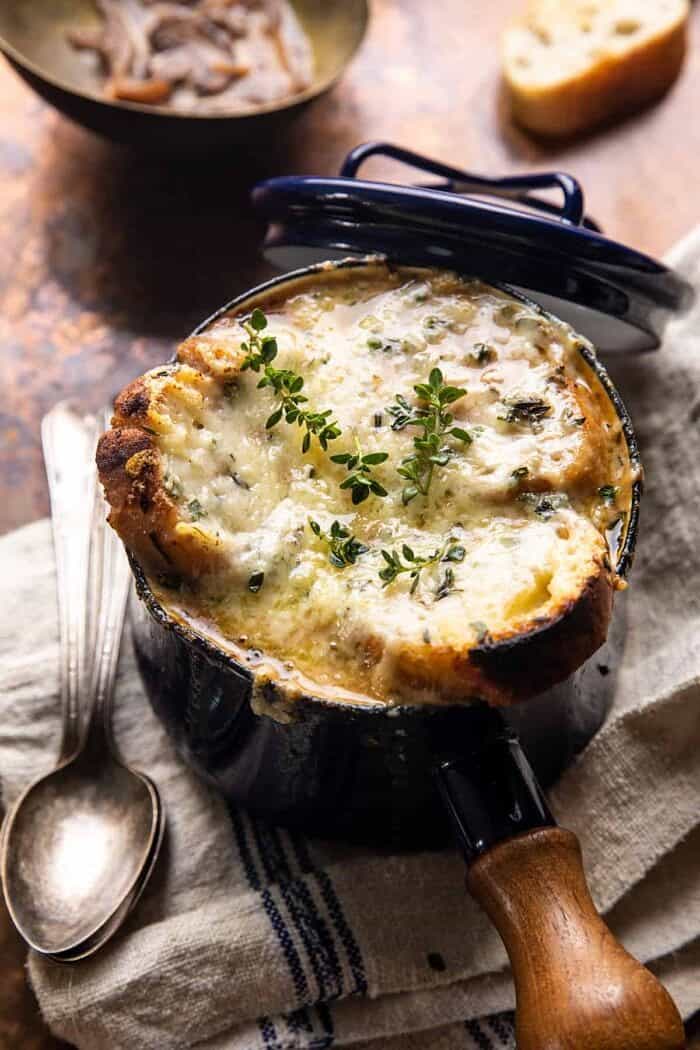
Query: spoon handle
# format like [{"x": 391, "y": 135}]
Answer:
[
  {"x": 68, "y": 443},
  {"x": 112, "y": 577}
]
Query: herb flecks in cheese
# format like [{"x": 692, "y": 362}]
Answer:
[
  {"x": 530, "y": 410},
  {"x": 523, "y": 501}
]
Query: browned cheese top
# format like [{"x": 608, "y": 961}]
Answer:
[{"x": 474, "y": 470}]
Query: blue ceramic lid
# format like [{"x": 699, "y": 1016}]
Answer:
[{"x": 614, "y": 295}]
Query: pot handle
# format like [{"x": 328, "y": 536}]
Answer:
[{"x": 576, "y": 986}]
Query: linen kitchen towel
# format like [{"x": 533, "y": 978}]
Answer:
[{"x": 252, "y": 938}]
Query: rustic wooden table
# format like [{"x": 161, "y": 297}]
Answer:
[{"x": 109, "y": 257}]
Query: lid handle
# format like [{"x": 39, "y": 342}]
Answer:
[{"x": 514, "y": 187}]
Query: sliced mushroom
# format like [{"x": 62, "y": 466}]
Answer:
[
  {"x": 236, "y": 53},
  {"x": 150, "y": 90}
]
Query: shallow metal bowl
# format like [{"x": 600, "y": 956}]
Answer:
[{"x": 33, "y": 39}]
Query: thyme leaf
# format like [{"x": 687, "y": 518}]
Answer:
[
  {"x": 386, "y": 345},
  {"x": 255, "y": 582},
  {"x": 545, "y": 504},
  {"x": 343, "y": 548},
  {"x": 407, "y": 561},
  {"x": 608, "y": 494},
  {"x": 196, "y": 510},
  {"x": 481, "y": 354},
  {"x": 446, "y": 584},
  {"x": 360, "y": 479}
]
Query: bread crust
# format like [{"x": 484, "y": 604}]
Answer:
[
  {"x": 613, "y": 86},
  {"x": 130, "y": 468},
  {"x": 513, "y": 666}
]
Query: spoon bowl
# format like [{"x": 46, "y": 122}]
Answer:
[
  {"x": 107, "y": 930},
  {"x": 74, "y": 850}
]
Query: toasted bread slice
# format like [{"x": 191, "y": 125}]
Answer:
[{"x": 570, "y": 65}]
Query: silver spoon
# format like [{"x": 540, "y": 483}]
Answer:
[
  {"x": 77, "y": 844},
  {"x": 103, "y": 933},
  {"x": 106, "y": 546}
]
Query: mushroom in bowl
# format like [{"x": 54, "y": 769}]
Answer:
[{"x": 169, "y": 76}]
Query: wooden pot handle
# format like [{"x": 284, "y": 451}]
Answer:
[{"x": 576, "y": 986}]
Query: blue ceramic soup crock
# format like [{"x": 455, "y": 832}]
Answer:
[{"x": 367, "y": 773}]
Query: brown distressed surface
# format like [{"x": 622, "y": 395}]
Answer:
[{"x": 109, "y": 257}]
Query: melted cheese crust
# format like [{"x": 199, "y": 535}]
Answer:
[{"x": 246, "y": 493}]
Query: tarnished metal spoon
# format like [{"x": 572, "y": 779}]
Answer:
[
  {"x": 104, "y": 933},
  {"x": 79, "y": 842}
]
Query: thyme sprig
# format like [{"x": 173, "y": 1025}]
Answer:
[
  {"x": 343, "y": 548},
  {"x": 435, "y": 423},
  {"x": 360, "y": 479},
  {"x": 414, "y": 564},
  {"x": 286, "y": 385}
]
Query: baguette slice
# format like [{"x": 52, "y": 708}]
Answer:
[{"x": 572, "y": 64}]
